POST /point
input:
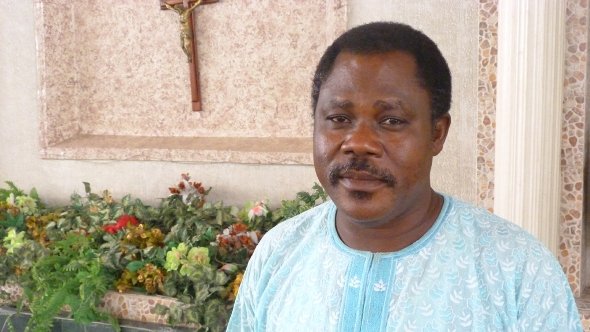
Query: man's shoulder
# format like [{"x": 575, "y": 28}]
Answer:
[
  {"x": 512, "y": 262},
  {"x": 295, "y": 228},
  {"x": 490, "y": 231},
  {"x": 468, "y": 214}
]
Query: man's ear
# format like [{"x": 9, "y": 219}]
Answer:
[{"x": 440, "y": 129}]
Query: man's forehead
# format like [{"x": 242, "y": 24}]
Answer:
[
  {"x": 393, "y": 55},
  {"x": 387, "y": 69},
  {"x": 350, "y": 61}
]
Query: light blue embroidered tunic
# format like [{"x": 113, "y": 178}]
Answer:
[{"x": 472, "y": 271}]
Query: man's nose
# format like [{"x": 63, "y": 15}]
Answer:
[{"x": 363, "y": 140}]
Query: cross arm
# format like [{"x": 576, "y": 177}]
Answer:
[{"x": 176, "y": 2}]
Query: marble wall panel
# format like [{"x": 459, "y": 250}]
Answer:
[
  {"x": 122, "y": 71},
  {"x": 57, "y": 71}
]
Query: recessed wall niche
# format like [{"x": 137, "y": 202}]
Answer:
[{"x": 114, "y": 81}]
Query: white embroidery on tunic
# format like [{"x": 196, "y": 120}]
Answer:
[
  {"x": 334, "y": 317},
  {"x": 355, "y": 282},
  {"x": 379, "y": 286},
  {"x": 341, "y": 281}
]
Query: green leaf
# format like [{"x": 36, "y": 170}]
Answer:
[
  {"x": 87, "y": 187},
  {"x": 14, "y": 189},
  {"x": 17, "y": 221},
  {"x": 134, "y": 266},
  {"x": 219, "y": 217}
]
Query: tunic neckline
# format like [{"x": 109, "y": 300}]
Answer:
[{"x": 411, "y": 249}]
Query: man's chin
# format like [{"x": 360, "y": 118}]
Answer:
[
  {"x": 364, "y": 215},
  {"x": 362, "y": 196},
  {"x": 346, "y": 196},
  {"x": 361, "y": 205}
]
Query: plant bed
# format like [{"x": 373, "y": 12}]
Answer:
[
  {"x": 17, "y": 321},
  {"x": 105, "y": 259},
  {"x": 128, "y": 306}
]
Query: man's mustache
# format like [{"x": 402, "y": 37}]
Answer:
[{"x": 360, "y": 165}]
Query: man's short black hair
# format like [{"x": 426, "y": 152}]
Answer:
[{"x": 382, "y": 37}]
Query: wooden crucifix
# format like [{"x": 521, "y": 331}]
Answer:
[{"x": 188, "y": 41}]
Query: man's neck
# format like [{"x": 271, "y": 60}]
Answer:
[{"x": 394, "y": 235}]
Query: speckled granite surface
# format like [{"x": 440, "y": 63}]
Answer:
[{"x": 115, "y": 68}]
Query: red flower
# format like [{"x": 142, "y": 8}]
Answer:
[
  {"x": 239, "y": 228},
  {"x": 122, "y": 222},
  {"x": 126, "y": 219},
  {"x": 199, "y": 187},
  {"x": 111, "y": 229}
]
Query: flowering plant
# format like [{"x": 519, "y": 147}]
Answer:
[
  {"x": 122, "y": 222},
  {"x": 187, "y": 248}
]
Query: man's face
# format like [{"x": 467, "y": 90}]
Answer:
[{"x": 374, "y": 138}]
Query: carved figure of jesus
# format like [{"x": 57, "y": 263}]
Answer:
[{"x": 186, "y": 31}]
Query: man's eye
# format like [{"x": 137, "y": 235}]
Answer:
[
  {"x": 392, "y": 122},
  {"x": 338, "y": 119}
]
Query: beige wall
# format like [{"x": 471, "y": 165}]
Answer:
[{"x": 234, "y": 183}]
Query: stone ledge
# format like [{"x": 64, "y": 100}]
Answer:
[
  {"x": 137, "y": 307},
  {"x": 19, "y": 321},
  {"x": 250, "y": 150},
  {"x": 125, "y": 306}
]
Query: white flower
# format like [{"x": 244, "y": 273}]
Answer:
[
  {"x": 187, "y": 191},
  {"x": 10, "y": 200},
  {"x": 253, "y": 236},
  {"x": 258, "y": 210},
  {"x": 26, "y": 204}
]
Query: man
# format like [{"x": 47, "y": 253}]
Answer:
[{"x": 389, "y": 253}]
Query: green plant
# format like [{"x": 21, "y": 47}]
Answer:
[
  {"x": 208, "y": 296},
  {"x": 68, "y": 257},
  {"x": 71, "y": 275},
  {"x": 15, "y": 206},
  {"x": 302, "y": 202}
]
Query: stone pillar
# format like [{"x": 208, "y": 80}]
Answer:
[{"x": 531, "y": 56}]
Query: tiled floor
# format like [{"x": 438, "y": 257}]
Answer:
[{"x": 583, "y": 303}]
